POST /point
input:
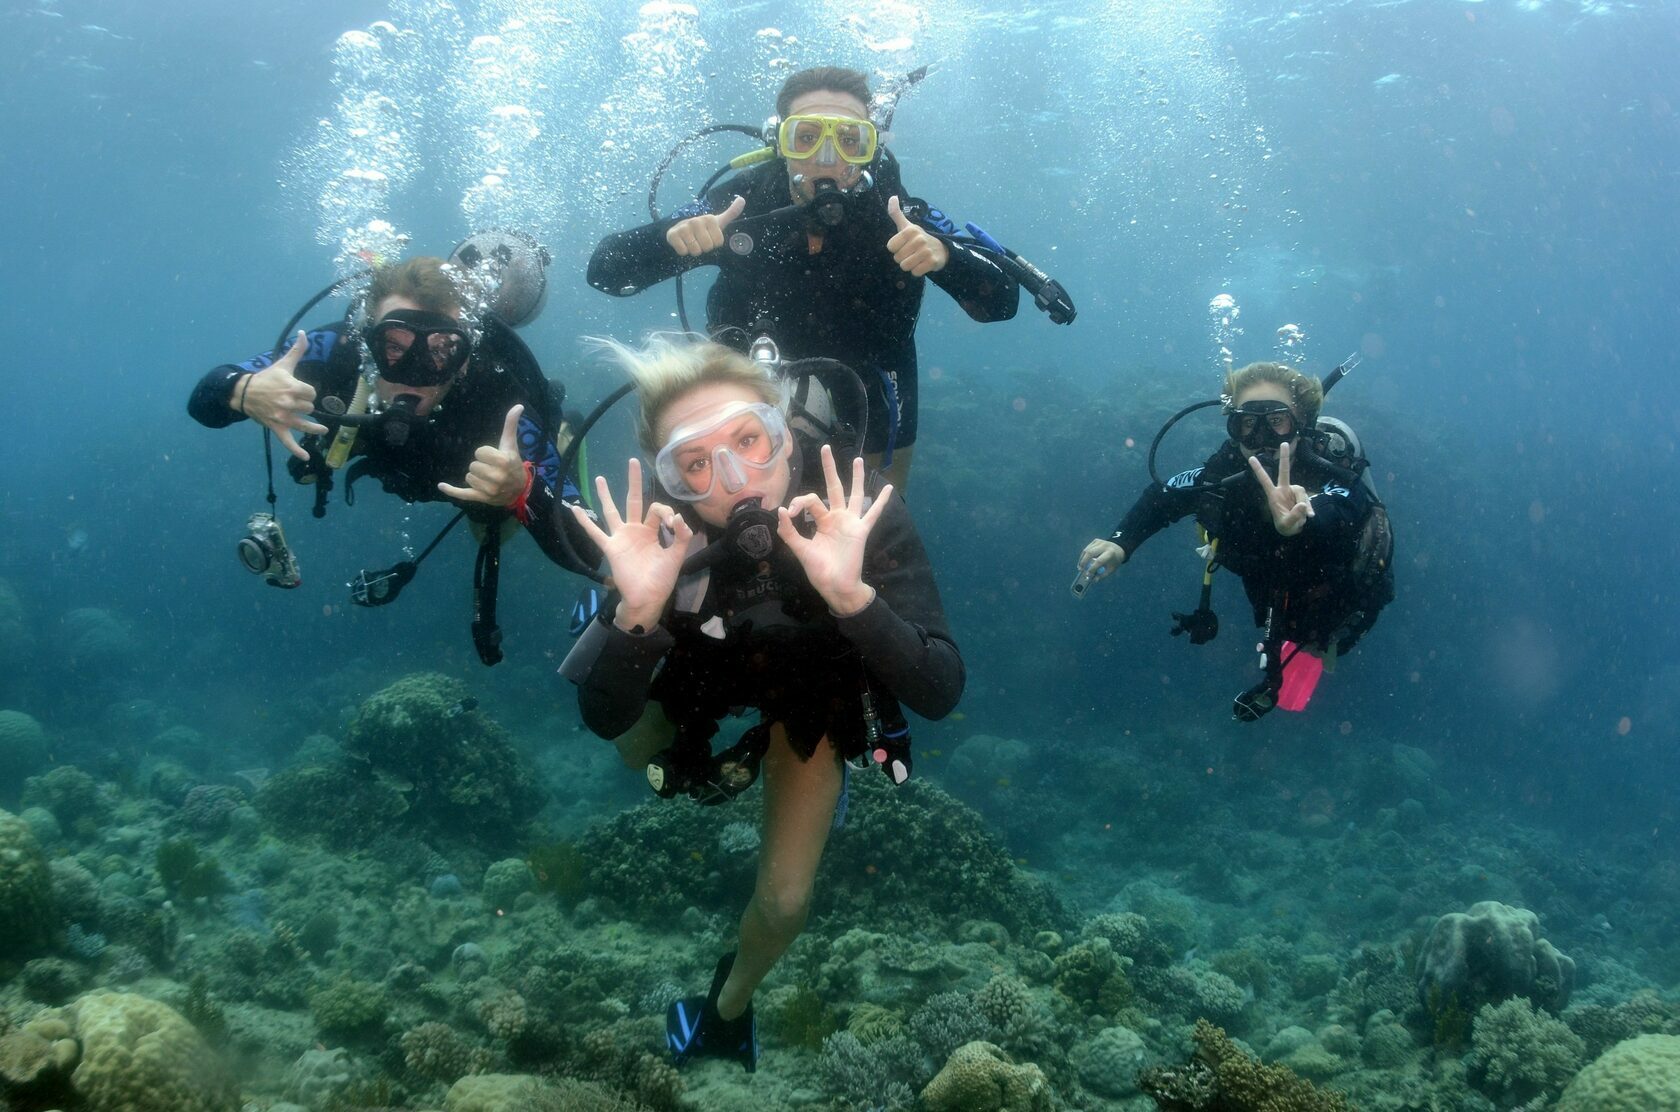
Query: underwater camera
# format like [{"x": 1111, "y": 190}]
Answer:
[{"x": 263, "y": 551}]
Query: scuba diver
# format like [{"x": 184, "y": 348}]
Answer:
[
  {"x": 838, "y": 273},
  {"x": 754, "y": 578},
  {"x": 425, "y": 387},
  {"x": 1312, "y": 546}
]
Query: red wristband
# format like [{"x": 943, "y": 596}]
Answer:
[{"x": 521, "y": 505}]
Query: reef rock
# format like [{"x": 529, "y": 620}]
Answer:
[{"x": 1490, "y": 954}]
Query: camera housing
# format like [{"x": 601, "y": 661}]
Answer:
[{"x": 264, "y": 551}]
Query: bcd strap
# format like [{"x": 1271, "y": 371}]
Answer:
[{"x": 487, "y": 574}]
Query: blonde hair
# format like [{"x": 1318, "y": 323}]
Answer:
[
  {"x": 670, "y": 364},
  {"x": 1305, "y": 393}
]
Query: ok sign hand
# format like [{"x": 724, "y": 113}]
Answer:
[
  {"x": 833, "y": 558},
  {"x": 644, "y": 569},
  {"x": 1290, "y": 505}
]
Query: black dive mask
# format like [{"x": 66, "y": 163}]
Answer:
[
  {"x": 417, "y": 347},
  {"x": 749, "y": 535},
  {"x": 1263, "y": 426}
]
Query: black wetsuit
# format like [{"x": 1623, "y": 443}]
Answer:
[
  {"x": 1306, "y": 578},
  {"x": 758, "y": 635},
  {"x": 848, "y": 301},
  {"x": 503, "y": 373}
]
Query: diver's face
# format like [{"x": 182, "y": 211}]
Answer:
[
  {"x": 429, "y": 396},
  {"x": 698, "y": 406},
  {"x": 824, "y": 102},
  {"x": 1267, "y": 392}
]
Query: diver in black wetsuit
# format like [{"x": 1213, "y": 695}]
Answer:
[
  {"x": 770, "y": 588},
  {"x": 851, "y": 291},
  {"x": 1312, "y": 546},
  {"x": 467, "y": 415}
]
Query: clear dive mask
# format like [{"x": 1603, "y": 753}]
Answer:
[
  {"x": 721, "y": 448},
  {"x": 827, "y": 139}
]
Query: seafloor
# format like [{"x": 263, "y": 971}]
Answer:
[{"x": 418, "y": 907}]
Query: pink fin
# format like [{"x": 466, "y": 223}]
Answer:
[{"x": 1300, "y": 677}]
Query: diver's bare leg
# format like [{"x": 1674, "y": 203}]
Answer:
[{"x": 799, "y": 799}]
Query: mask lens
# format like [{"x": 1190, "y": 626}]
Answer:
[
  {"x": 804, "y": 137},
  {"x": 1261, "y": 424},
  {"x": 419, "y": 353},
  {"x": 698, "y": 456}
]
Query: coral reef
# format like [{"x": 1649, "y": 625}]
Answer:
[
  {"x": 438, "y": 1052},
  {"x": 1222, "y": 1078},
  {"x": 349, "y": 809},
  {"x": 15, "y": 639},
  {"x": 505, "y": 881},
  {"x": 138, "y": 1055},
  {"x": 1489, "y": 954},
  {"x": 1639, "y": 1075},
  {"x": 98, "y": 642},
  {"x": 1518, "y": 1053},
  {"x": 465, "y": 776},
  {"x": 1108, "y": 1063},
  {"x": 874, "y": 1075},
  {"x": 979, "y": 1077},
  {"x": 347, "y": 1010},
  {"x": 74, "y": 797},
  {"x": 23, "y": 750},
  {"x": 28, "y": 914}
]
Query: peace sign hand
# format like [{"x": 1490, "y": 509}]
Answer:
[
  {"x": 1290, "y": 505},
  {"x": 833, "y": 558},
  {"x": 496, "y": 476},
  {"x": 644, "y": 570}
]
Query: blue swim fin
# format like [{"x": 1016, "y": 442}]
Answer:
[{"x": 693, "y": 1028}]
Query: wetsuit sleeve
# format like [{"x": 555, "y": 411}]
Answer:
[
  {"x": 626, "y": 263},
  {"x": 1330, "y": 537},
  {"x": 1156, "y": 508},
  {"x": 983, "y": 289},
  {"x": 978, "y": 284},
  {"x": 546, "y": 518},
  {"x": 208, "y": 404},
  {"x": 613, "y": 671},
  {"x": 902, "y": 635}
]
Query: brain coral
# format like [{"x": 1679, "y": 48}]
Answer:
[
  {"x": 1638, "y": 1075},
  {"x": 141, "y": 1056}
]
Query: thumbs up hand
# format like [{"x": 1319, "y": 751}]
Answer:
[
  {"x": 700, "y": 234},
  {"x": 914, "y": 248}
]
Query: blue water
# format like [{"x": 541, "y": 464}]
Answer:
[{"x": 1477, "y": 197}]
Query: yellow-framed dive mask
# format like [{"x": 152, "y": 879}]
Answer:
[{"x": 825, "y": 137}]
